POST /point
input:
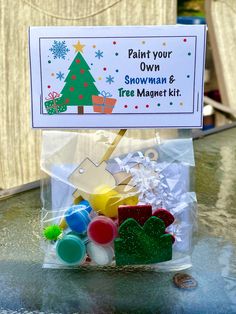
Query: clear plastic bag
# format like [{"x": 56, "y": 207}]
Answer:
[{"x": 117, "y": 199}]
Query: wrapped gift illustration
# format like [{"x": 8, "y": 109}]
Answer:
[
  {"x": 54, "y": 103},
  {"x": 103, "y": 103}
]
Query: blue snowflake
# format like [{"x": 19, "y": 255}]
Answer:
[
  {"x": 99, "y": 54},
  {"x": 59, "y": 49},
  {"x": 109, "y": 79},
  {"x": 60, "y": 76}
]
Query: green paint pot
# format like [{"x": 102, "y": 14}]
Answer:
[{"x": 71, "y": 250}]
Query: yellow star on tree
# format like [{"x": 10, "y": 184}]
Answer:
[{"x": 79, "y": 47}]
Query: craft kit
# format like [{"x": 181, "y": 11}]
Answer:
[{"x": 121, "y": 195}]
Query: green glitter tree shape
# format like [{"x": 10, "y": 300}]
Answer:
[
  {"x": 139, "y": 245},
  {"x": 79, "y": 84}
]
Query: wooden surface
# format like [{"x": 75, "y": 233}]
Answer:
[
  {"x": 19, "y": 145},
  {"x": 221, "y": 20}
]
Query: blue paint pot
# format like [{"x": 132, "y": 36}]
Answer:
[
  {"x": 77, "y": 218},
  {"x": 85, "y": 203}
]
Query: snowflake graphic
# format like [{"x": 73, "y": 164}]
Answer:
[
  {"x": 109, "y": 79},
  {"x": 59, "y": 49},
  {"x": 60, "y": 76},
  {"x": 99, "y": 54}
]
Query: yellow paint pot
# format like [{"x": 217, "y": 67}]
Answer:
[{"x": 105, "y": 200}]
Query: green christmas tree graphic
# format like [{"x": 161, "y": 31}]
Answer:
[{"x": 79, "y": 83}]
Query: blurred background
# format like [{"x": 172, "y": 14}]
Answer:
[{"x": 20, "y": 145}]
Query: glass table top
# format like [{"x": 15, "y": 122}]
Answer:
[{"x": 27, "y": 288}]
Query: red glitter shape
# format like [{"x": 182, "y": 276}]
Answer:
[
  {"x": 85, "y": 84},
  {"x": 164, "y": 215},
  {"x": 72, "y": 89},
  {"x": 67, "y": 100},
  {"x": 73, "y": 77},
  {"x": 140, "y": 213},
  {"x": 77, "y": 60},
  {"x": 80, "y": 96},
  {"x": 82, "y": 71}
]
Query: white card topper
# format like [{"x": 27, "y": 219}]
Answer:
[{"x": 117, "y": 77}]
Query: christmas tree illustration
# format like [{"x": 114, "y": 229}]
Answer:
[{"x": 79, "y": 84}]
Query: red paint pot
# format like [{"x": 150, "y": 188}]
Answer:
[{"x": 102, "y": 230}]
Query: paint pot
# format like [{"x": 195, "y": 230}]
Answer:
[
  {"x": 102, "y": 230},
  {"x": 77, "y": 218},
  {"x": 71, "y": 250},
  {"x": 106, "y": 200},
  {"x": 100, "y": 255},
  {"x": 85, "y": 203}
]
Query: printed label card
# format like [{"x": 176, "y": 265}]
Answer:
[{"x": 117, "y": 77}]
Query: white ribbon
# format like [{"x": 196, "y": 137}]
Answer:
[{"x": 150, "y": 183}]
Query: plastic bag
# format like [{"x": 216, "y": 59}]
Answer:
[{"x": 117, "y": 199}]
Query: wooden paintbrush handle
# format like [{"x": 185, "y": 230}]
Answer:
[{"x": 113, "y": 145}]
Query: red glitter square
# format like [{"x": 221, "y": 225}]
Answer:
[{"x": 140, "y": 213}]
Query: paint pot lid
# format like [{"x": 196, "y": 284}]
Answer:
[
  {"x": 75, "y": 209},
  {"x": 85, "y": 203},
  {"x": 70, "y": 250},
  {"x": 102, "y": 230},
  {"x": 100, "y": 255},
  {"x": 77, "y": 218}
]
